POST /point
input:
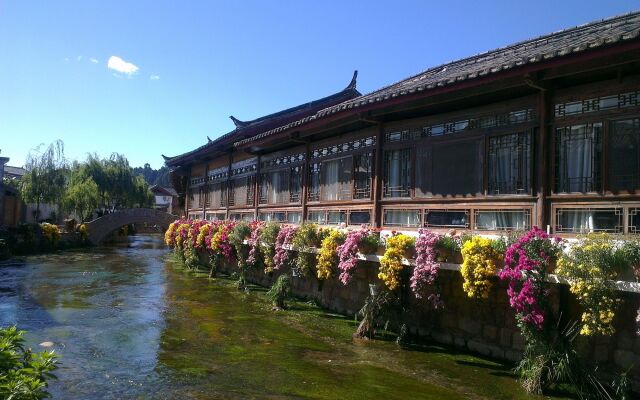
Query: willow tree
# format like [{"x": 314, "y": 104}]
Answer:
[{"x": 44, "y": 181}]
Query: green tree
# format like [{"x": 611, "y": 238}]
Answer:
[
  {"x": 45, "y": 179},
  {"x": 82, "y": 196}
]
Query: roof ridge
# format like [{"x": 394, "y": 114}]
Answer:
[{"x": 439, "y": 67}]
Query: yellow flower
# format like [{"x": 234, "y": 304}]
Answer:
[
  {"x": 478, "y": 266},
  {"x": 328, "y": 254},
  {"x": 391, "y": 262}
]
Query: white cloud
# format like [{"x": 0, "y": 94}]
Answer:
[
  {"x": 154, "y": 77},
  {"x": 93, "y": 60},
  {"x": 66, "y": 59},
  {"x": 79, "y": 58},
  {"x": 119, "y": 65}
]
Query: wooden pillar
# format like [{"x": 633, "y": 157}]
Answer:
[
  {"x": 376, "y": 184},
  {"x": 543, "y": 160},
  {"x": 228, "y": 185},
  {"x": 305, "y": 181},
  {"x": 256, "y": 194},
  {"x": 204, "y": 191}
]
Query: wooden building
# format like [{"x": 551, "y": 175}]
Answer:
[{"x": 543, "y": 132}]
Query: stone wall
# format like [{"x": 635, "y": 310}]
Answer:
[{"x": 487, "y": 327}]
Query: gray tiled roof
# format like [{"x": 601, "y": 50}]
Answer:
[{"x": 555, "y": 45}]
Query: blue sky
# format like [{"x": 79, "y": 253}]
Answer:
[{"x": 182, "y": 67}]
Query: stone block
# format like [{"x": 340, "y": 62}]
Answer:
[
  {"x": 505, "y": 337},
  {"x": 490, "y": 332},
  {"x": 442, "y": 337},
  {"x": 460, "y": 342},
  {"x": 518, "y": 341},
  {"x": 625, "y": 340},
  {"x": 601, "y": 353},
  {"x": 512, "y": 355},
  {"x": 471, "y": 326},
  {"x": 624, "y": 359}
]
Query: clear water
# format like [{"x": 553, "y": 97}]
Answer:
[{"x": 129, "y": 324}]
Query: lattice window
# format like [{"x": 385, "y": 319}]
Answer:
[
  {"x": 362, "y": 171},
  {"x": 509, "y": 164},
  {"x": 502, "y": 220},
  {"x": 403, "y": 218},
  {"x": 314, "y": 182},
  {"x": 578, "y": 158},
  {"x": 282, "y": 160},
  {"x": 586, "y": 220},
  {"x": 622, "y": 100},
  {"x": 344, "y": 147},
  {"x": 451, "y": 127},
  {"x": 634, "y": 220},
  {"x": 624, "y": 155},
  {"x": 242, "y": 191},
  {"x": 397, "y": 173},
  {"x": 339, "y": 217},
  {"x": 434, "y": 218},
  {"x": 295, "y": 184},
  {"x": 336, "y": 176}
]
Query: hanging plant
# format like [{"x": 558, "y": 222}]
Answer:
[
  {"x": 240, "y": 233},
  {"x": 253, "y": 259},
  {"x": 426, "y": 269},
  {"x": 182, "y": 232},
  {"x": 362, "y": 240},
  {"x": 589, "y": 267},
  {"x": 526, "y": 264},
  {"x": 285, "y": 238},
  {"x": 203, "y": 233},
  {"x": 268, "y": 236},
  {"x": 397, "y": 248},
  {"x": 308, "y": 237},
  {"x": 328, "y": 255},
  {"x": 478, "y": 266}
]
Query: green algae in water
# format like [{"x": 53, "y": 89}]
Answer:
[{"x": 306, "y": 352}]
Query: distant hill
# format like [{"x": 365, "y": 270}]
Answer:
[{"x": 154, "y": 176}]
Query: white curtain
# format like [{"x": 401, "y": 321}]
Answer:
[
  {"x": 330, "y": 180},
  {"x": 501, "y": 220},
  {"x": 402, "y": 218}
]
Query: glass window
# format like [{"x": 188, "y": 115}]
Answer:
[
  {"x": 634, "y": 220},
  {"x": 317, "y": 217},
  {"x": 397, "y": 173},
  {"x": 314, "y": 181},
  {"x": 363, "y": 166},
  {"x": 578, "y": 155},
  {"x": 499, "y": 220},
  {"x": 294, "y": 217},
  {"x": 446, "y": 218},
  {"x": 336, "y": 179},
  {"x": 624, "y": 155},
  {"x": 577, "y": 220},
  {"x": 359, "y": 217},
  {"x": 336, "y": 217},
  {"x": 406, "y": 218},
  {"x": 215, "y": 216},
  {"x": 242, "y": 190},
  {"x": 295, "y": 184},
  {"x": 509, "y": 164}
]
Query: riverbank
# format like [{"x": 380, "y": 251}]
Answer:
[{"x": 128, "y": 322}]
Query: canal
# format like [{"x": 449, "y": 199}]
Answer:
[{"x": 130, "y": 324}]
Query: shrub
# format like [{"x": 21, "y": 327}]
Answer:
[
  {"x": 589, "y": 267},
  {"x": 280, "y": 291},
  {"x": 23, "y": 374},
  {"x": 348, "y": 253},
  {"x": 50, "y": 235},
  {"x": 284, "y": 239}
]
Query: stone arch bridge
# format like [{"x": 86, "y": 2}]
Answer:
[{"x": 100, "y": 228}]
